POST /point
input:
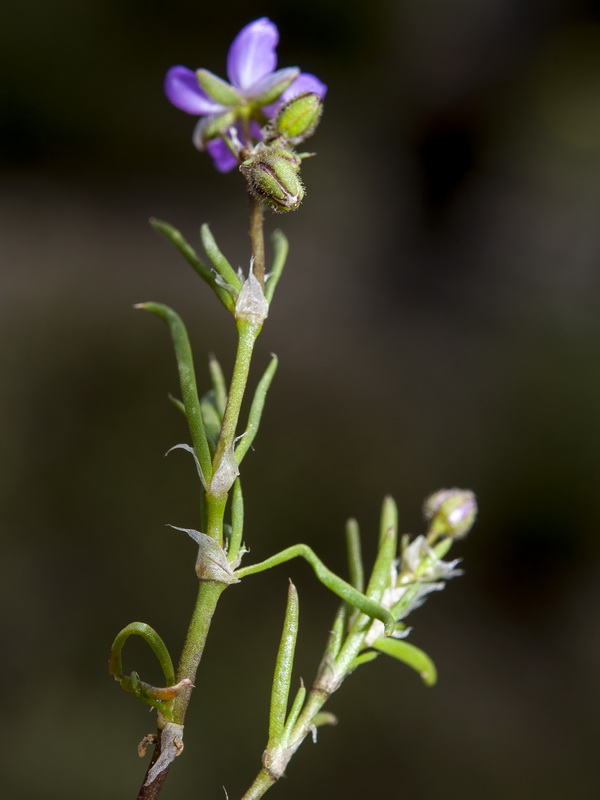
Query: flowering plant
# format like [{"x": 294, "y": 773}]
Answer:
[
  {"x": 234, "y": 112},
  {"x": 256, "y": 122}
]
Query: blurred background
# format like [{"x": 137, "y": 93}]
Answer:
[{"x": 437, "y": 325}]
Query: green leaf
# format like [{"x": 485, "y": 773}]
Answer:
[
  {"x": 283, "y": 670},
  {"x": 280, "y": 246},
  {"x": 237, "y": 522},
  {"x": 187, "y": 380},
  {"x": 219, "y": 385},
  {"x": 355, "y": 564},
  {"x": 190, "y": 255},
  {"x": 410, "y": 655},
  {"x": 256, "y": 409},
  {"x": 363, "y": 658},
  {"x": 380, "y": 576},
  {"x": 220, "y": 263}
]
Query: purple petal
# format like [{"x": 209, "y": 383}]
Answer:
[
  {"x": 222, "y": 157},
  {"x": 303, "y": 83},
  {"x": 184, "y": 91},
  {"x": 252, "y": 53}
]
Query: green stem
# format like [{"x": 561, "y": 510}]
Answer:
[
  {"x": 257, "y": 238},
  {"x": 315, "y": 702},
  {"x": 261, "y": 784},
  {"x": 206, "y": 603},
  {"x": 215, "y": 512},
  {"x": 247, "y": 333}
]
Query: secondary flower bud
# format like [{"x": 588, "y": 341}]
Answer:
[
  {"x": 298, "y": 118},
  {"x": 452, "y": 512},
  {"x": 273, "y": 175}
]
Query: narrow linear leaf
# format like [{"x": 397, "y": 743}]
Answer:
[
  {"x": 220, "y": 263},
  {"x": 389, "y": 517},
  {"x": 410, "y": 655},
  {"x": 190, "y": 255},
  {"x": 177, "y": 403},
  {"x": 355, "y": 563},
  {"x": 237, "y": 522},
  {"x": 187, "y": 381},
  {"x": 152, "y": 639},
  {"x": 363, "y": 658},
  {"x": 293, "y": 715},
  {"x": 256, "y": 409},
  {"x": 283, "y": 670},
  {"x": 218, "y": 381},
  {"x": 280, "y": 246},
  {"x": 380, "y": 576}
]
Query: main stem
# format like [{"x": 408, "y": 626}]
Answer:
[
  {"x": 208, "y": 597},
  {"x": 210, "y": 592}
]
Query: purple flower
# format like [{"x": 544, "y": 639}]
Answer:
[{"x": 233, "y": 112}]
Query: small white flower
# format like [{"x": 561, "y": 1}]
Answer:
[
  {"x": 421, "y": 572},
  {"x": 419, "y": 562}
]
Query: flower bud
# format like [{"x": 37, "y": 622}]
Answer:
[
  {"x": 297, "y": 119},
  {"x": 273, "y": 176},
  {"x": 452, "y": 512}
]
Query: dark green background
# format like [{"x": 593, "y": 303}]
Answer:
[{"x": 437, "y": 325}]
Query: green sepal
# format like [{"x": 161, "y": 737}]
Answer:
[
  {"x": 190, "y": 255},
  {"x": 286, "y": 77},
  {"x": 211, "y": 127},
  {"x": 215, "y": 87},
  {"x": 410, "y": 655}
]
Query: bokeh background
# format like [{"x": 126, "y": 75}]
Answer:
[{"x": 438, "y": 325}]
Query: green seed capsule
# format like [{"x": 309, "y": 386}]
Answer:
[{"x": 274, "y": 177}]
